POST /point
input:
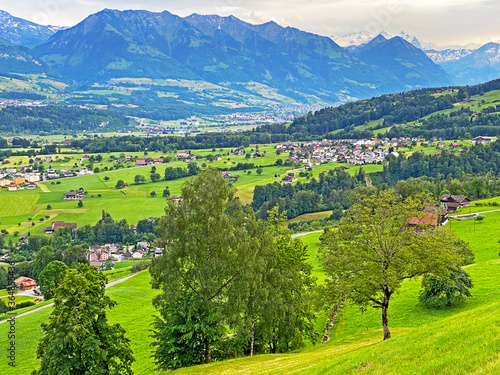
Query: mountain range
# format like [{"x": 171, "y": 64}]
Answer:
[
  {"x": 226, "y": 50},
  {"x": 21, "y": 32},
  {"x": 215, "y": 49},
  {"x": 405, "y": 61}
]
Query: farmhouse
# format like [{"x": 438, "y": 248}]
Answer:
[
  {"x": 25, "y": 283},
  {"x": 289, "y": 178},
  {"x": 74, "y": 195},
  {"x": 140, "y": 163},
  {"x": 183, "y": 155},
  {"x": 427, "y": 219},
  {"x": 479, "y": 140},
  {"x": 59, "y": 224},
  {"x": 453, "y": 202}
]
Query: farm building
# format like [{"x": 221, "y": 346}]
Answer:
[
  {"x": 59, "y": 224},
  {"x": 25, "y": 283}
]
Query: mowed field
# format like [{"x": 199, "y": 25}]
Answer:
[{"x": 463, "y": 339}]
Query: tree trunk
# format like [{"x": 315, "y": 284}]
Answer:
[
  {"x": 208, "y": 357},
  {"x": 273, "y": 344},
  {"x": 252, "y": 337},
  {"x": 385, "y": 322}
]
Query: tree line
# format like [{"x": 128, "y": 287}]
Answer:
[{"x": 54, "y": 119}]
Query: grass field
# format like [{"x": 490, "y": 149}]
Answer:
[{"x": 459, "y": 340}]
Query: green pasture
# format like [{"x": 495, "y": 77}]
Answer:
[{"x": 425, "y": 340}]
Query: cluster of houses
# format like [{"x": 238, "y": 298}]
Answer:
[
  {"x": 357, "y": 151},
  {"x": 145, "y": 162},
  {"x": 53, "y": 174},
  {"x": 15, "y": 180},
  {"x": 96, "y": 255}
]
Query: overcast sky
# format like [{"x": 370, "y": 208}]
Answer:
[{"x": 439, "y": 21}]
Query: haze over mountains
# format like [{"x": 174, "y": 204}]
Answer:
[{"x": 226, "y": 50}]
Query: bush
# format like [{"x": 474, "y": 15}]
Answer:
[
  {"x": 58, "y": 182},
  {"x": 24, "y": 304},
  {"x": 140, "y": 266}
]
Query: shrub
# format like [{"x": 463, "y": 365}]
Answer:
[
  {"x": 140, "y": 266},
  {"x": 24, "y": 304}
]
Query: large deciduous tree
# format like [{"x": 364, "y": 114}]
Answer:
[
  {"x": 213, "y": 246},
  {"x": 51, "y": 277},
  {"x": 375, "y": 249},
  {"x": 78, "y": 338}
]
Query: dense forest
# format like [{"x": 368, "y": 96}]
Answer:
[{"x": 54, "y": 119}]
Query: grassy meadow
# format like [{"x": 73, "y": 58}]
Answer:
[{"x": 462, "y": 339}]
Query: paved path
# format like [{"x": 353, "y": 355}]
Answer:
[
  {"x": 306, "y": 233},
  {"x": 112, "y": 283},
  {"x": 454, "y": 216}
]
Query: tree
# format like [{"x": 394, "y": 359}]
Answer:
[
  {"x": 49, "y": 207},
  {"x": 155, "y": 177},
  {"x": 212, "y": 244},
  {"x": 285, "y": 314},
  {"x": 3, "y": 306},
  {"x": 120, "y": 184},
  {"x": 51, "y": 277},
  {"x": 166, "y": 192},
  {"x": 279, "y": 162},
  {"x": 375, "y": 249},
  {"x": 43, "y": 257},
  {"x": 153, "y": 194},
  {"x": 74, "y": 255},
  {"x": 193, "y": 168},
  {"x": 139, "y": 178},
  {"x": 108, "y": 265},
  {"x": 259, "y": 171},
  {"x": 4, "y": 279},
  {"x": 438, "y": 292},
  {"x": 106, "y": 178},
  {"x": 80, "y": 203},
  {"x": 78, "y": 338}
]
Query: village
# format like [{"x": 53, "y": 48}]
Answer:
[{"x": 358, "y": 151}]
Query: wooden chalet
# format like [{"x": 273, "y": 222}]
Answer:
[
  {"x": 25, "y": 283},
  {"x": 453, "y": 202}
]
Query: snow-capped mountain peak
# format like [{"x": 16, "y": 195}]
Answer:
[
  {"x": 22, "y": 32},
  {"x": 363, "y": 37}
]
